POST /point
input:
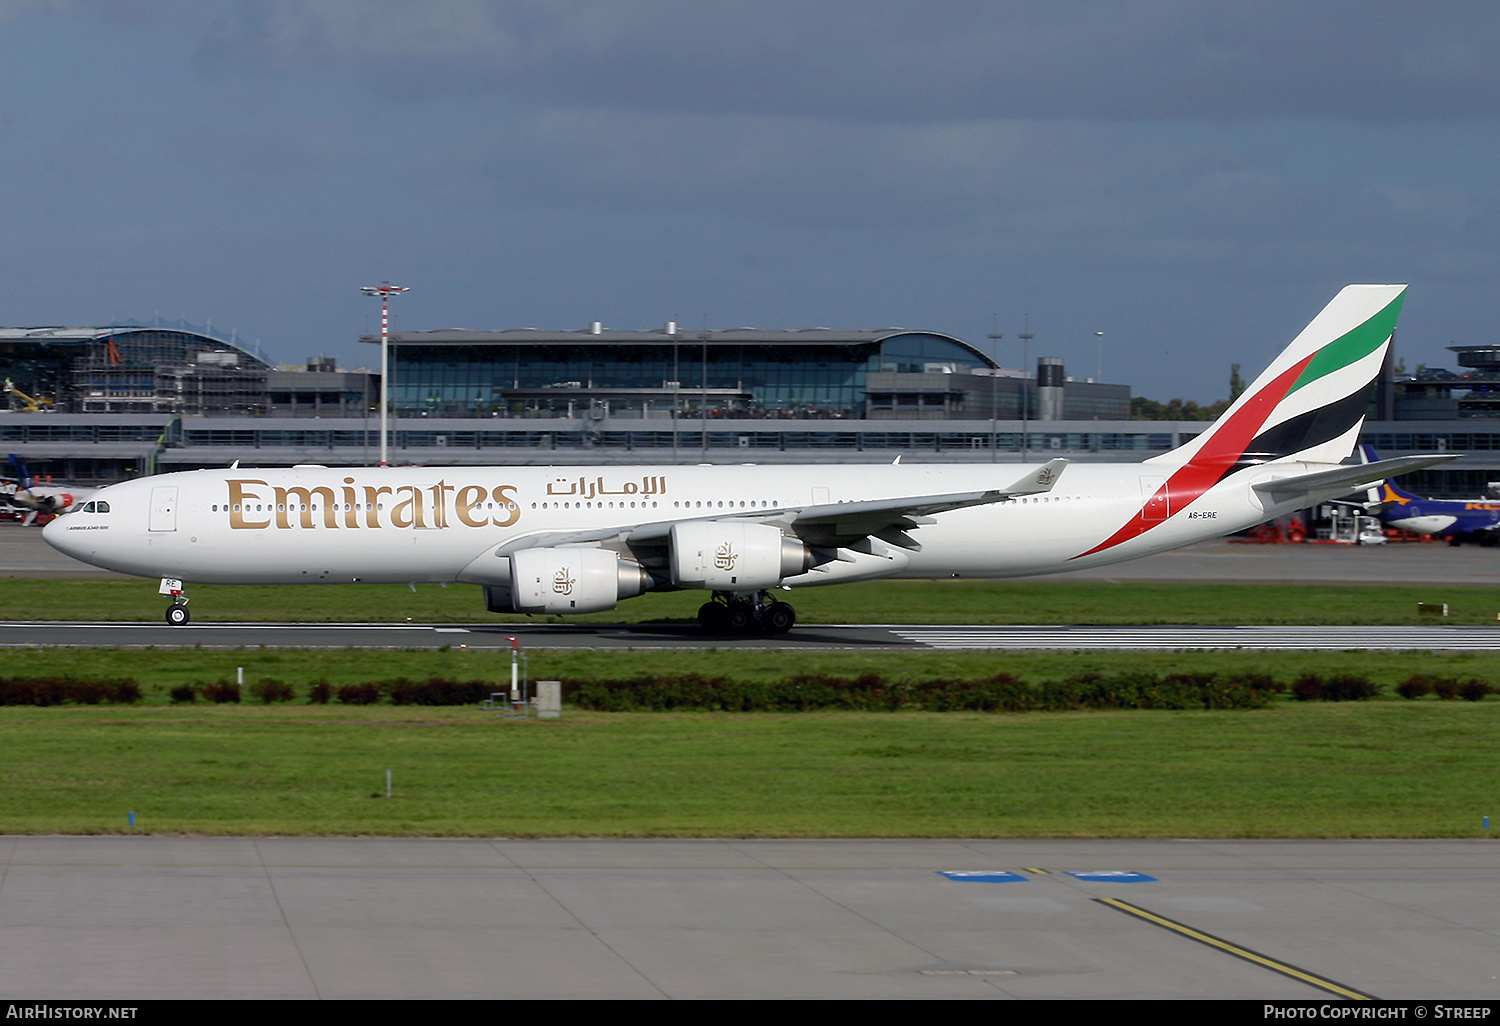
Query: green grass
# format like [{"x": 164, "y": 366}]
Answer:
[
  {"x": 1372, "y": 769},
  {"x": 972, "y": 602}
]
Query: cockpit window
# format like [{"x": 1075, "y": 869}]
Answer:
[
  {"x": 87, "y": 507},
  {"x": 100, "y": 507}
]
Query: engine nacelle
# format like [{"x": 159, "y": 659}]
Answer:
[
  {"x": 730, "y": 556},
  {"x": 571, "y": 580}
]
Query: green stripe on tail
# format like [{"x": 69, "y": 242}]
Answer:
[{"x": 1357, "y": 344}]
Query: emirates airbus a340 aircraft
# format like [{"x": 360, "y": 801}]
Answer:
[{"x": 578, "y": 540}]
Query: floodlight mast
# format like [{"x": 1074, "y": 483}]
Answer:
[{"x": 385, "y": 290}]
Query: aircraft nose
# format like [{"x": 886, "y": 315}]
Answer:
[{"x": 56, "y": 535}]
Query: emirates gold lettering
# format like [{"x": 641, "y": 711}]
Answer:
[
  {"x": 239, "y": 504},
  {"x": 439, "y": 503},
  {"x": 256, "y": 504},
  {"x": 351, "y": 515},
  {"x": 408, "y": 512},
  {"x": 508, "y": 505},
  {"x": 372, "y": 505},
  {"x": 725, "y": 557},
  {"x": 468, "y": 498},
  {"x": 289, "y": 499}
]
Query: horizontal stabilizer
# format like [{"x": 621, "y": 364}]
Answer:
[{"x": 1350, "y": 478}]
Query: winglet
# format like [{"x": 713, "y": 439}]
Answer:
[{"x": 1039, "y": 480}]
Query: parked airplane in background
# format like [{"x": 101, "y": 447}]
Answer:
[
  {"x": 578, "y": 540},
  {"x": 1458, "y": 520},
  {"x": 36, "y": 498}
]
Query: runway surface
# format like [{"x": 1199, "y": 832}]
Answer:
[
  {"x": 837, "y": 637},
  {"x": 159, "y": 917}
]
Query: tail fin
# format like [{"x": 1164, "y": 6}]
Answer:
[
  {"x": 1309, "y": 404},
  {"x": 1393, "y": 494},
  {"x": 23, "y": 476},
  {"x": 1386, "y": 491}
]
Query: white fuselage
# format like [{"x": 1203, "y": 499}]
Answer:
[{"x": 345, "y": 525}]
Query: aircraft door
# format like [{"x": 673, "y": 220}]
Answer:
[
  {"x": 1154, "y": 507},
  {"x": 163, "y": 509}
]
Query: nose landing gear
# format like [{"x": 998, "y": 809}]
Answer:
[{"x": 177, "y": 612}]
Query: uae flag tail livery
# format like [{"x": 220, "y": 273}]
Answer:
[{"x": 1305, "y": 408}]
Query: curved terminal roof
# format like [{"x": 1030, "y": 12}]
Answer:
[
  {"x": 721, "y": 337},
  {"x": 133, "y": 342}
]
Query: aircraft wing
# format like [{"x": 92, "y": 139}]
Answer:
[
  {"x": 828, "y": 525},
  {"x": 840, "y": 524},
  {"x": 1352, "y": 478}
]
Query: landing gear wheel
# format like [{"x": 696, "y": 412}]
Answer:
[
  {"x": 713, "y": 617},
  {"x": 177, "y": 615},
  {"x": 779, "y": 618},
  {"x": 741, "y": 617}
]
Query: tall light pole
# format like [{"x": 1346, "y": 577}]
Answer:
[
  {"x": 995, "y": 338},
  {"x": 1025, "y": 336},
  {"x": 1099, "y": 364},
  {"x": 385, "y": 290}
]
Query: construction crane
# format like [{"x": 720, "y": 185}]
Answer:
[{"x": 21, "y": 401}]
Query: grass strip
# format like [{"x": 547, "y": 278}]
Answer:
[{"x": 1368, "y": 769}]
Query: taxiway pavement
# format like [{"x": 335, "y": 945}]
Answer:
[{"x": 171, "y": 917}]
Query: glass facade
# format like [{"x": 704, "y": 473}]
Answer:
[{"x": 816, "y": 379}]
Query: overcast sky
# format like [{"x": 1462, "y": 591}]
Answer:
[{"x": 1193, "y": 179}]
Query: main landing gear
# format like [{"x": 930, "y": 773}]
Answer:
[
  {"x": 757, "y": 613},
  {"x": 177, "y": 612}
]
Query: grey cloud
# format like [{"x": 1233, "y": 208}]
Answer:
[
  {"x": 1059, "y": 181},
  {"x": 882, "y": 61}
]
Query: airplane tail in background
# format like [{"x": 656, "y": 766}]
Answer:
[
  {"x": 1387, "y": 491},
  {"x": 1392, "y": 494},
  {"x": 1309, "y": 404},
  {"x": 24, "y": 480}
]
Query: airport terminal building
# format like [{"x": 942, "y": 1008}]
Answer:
[{"x": 740, "y": 374}]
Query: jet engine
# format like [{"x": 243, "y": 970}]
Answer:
[
  {"x": 730, "y": 556},
  {"x": 571, "y": 580}
]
